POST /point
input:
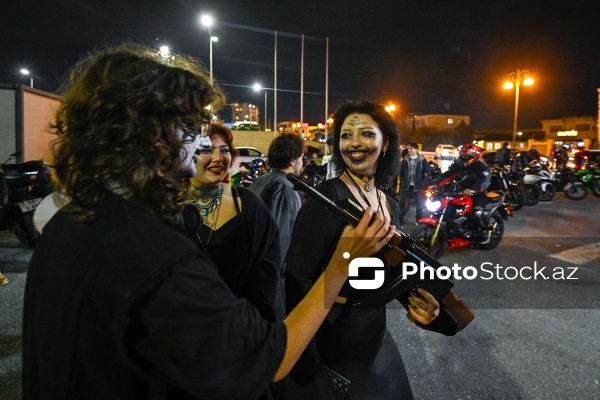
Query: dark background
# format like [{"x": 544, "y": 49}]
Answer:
[{"x": 429, "y": 57}]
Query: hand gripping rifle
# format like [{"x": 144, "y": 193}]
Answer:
[{"x": 454, "y": 313}]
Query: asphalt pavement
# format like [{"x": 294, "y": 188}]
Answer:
[{"x": 531, "y": 338}]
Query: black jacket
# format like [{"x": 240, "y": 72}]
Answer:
[
  {"x": 475, "y": 176},
  {"x": 503, "y": 156}
]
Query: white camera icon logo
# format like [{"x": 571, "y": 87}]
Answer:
[{"x": 366, "y": 262}]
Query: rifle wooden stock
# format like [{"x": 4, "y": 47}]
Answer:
[{"x": 455, "y": 314}]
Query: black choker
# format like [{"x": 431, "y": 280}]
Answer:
[{"x": 363, "y": 178}]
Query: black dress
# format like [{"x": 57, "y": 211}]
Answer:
[
  {"x": 246, "y": 251},
  {"x": 354, "y": 343}
]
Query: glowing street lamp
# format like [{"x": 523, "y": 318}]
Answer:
[
  {"x": 515, "y": 80},
  {"x": 390, "y": 108},
  {"x": 25, "y": 71},
  {"x": 207, "y": 21},
  {"x": 257, "y": 88}
]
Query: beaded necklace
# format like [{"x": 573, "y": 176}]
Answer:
[{"x": 206, "y": 208}]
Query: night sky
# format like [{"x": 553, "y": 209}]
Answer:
[{"x": 429, "y": 57}]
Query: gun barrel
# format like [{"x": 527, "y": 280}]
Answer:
[{"x": 401, "y": 248}]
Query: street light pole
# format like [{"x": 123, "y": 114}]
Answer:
[
  {"x": 257, "y": 87},
  {"x": 25, "y": 71},
  {"x": 515, "y": 80},
  {"x": 265, "y": 110},
  {"x": 207, "y": 21}
]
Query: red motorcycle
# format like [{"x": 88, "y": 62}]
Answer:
[{"x": 455, "y": 224}]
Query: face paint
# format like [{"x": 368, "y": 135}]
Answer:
[
  {"x": 213, "y": 162},
  {"x": 355, "y": 120},
  {"x": 187, "y": 153},
  {"x": 361, "y": 142}
]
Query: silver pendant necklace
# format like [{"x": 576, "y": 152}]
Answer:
[
  {"x": 363, "y": 196},
  {"x": 365, "y": 179}
]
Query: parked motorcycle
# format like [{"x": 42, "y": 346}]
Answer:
[
  {"x": 454, "y": 223},
  {"x": 572, "y": 186},
  {"x": 533, "y": 193},
  {"x": 515, "y": 195},
  {"x": 28, "y": 183},
  {"x": 249, "y": 171},
  {"x": 313, "y": 173},
  {"x": 537, "y": 174},
  {"x": 590, "y": 175}
]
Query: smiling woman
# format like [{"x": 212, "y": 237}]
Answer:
[
  {"x": 353, "y": 343},
  {"x": 237, "y": 230}
]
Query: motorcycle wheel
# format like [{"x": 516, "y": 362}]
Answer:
[
  {"x": 516, "y": 198},
  {"x": 576, "y": 191},
  {"x": 25, "y": 230},
  {"x": 496, "y": 225},
  {"x": 549, "y": 193},
  {"x": 533, "y": 195},
  {"x": 596, "y": 187},
  {"x": 423, "y": 233}
]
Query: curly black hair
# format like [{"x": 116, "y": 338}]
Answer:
[
  {"x": 388, "y": 166},
  {"x": 117, "y": 127}
]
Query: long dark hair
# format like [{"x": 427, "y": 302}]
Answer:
[
  {"x": 388, "y": 166},
  {"x": 117, "y": 127}
]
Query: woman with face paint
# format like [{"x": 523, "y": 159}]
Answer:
[
  {"x": 237, "y": 230},
  {"x": 351, "y": 342}
]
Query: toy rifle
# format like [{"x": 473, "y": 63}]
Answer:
[{"x": 402, "y": 248}]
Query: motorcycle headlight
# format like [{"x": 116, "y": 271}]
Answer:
[{"x": 432, "y": 205}]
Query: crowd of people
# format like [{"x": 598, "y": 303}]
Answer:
[{"x": 159, "y": 279}]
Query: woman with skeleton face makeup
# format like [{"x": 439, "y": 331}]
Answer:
[
  {"x": 353, "y": 343},
  {"x": 237, "y": 231}
]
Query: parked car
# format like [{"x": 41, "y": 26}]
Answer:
[
  {"x": 245, "y": 126},
  {"x": 247, "y": 154},
  {"x": 446, "y": 152}
]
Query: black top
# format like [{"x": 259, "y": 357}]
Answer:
[
  {"x": 353, "y": 342},
  {"x": 246, "y": 251},
  {"x": 127, "y": 307},
  {"x": 247, "y": 254}
]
